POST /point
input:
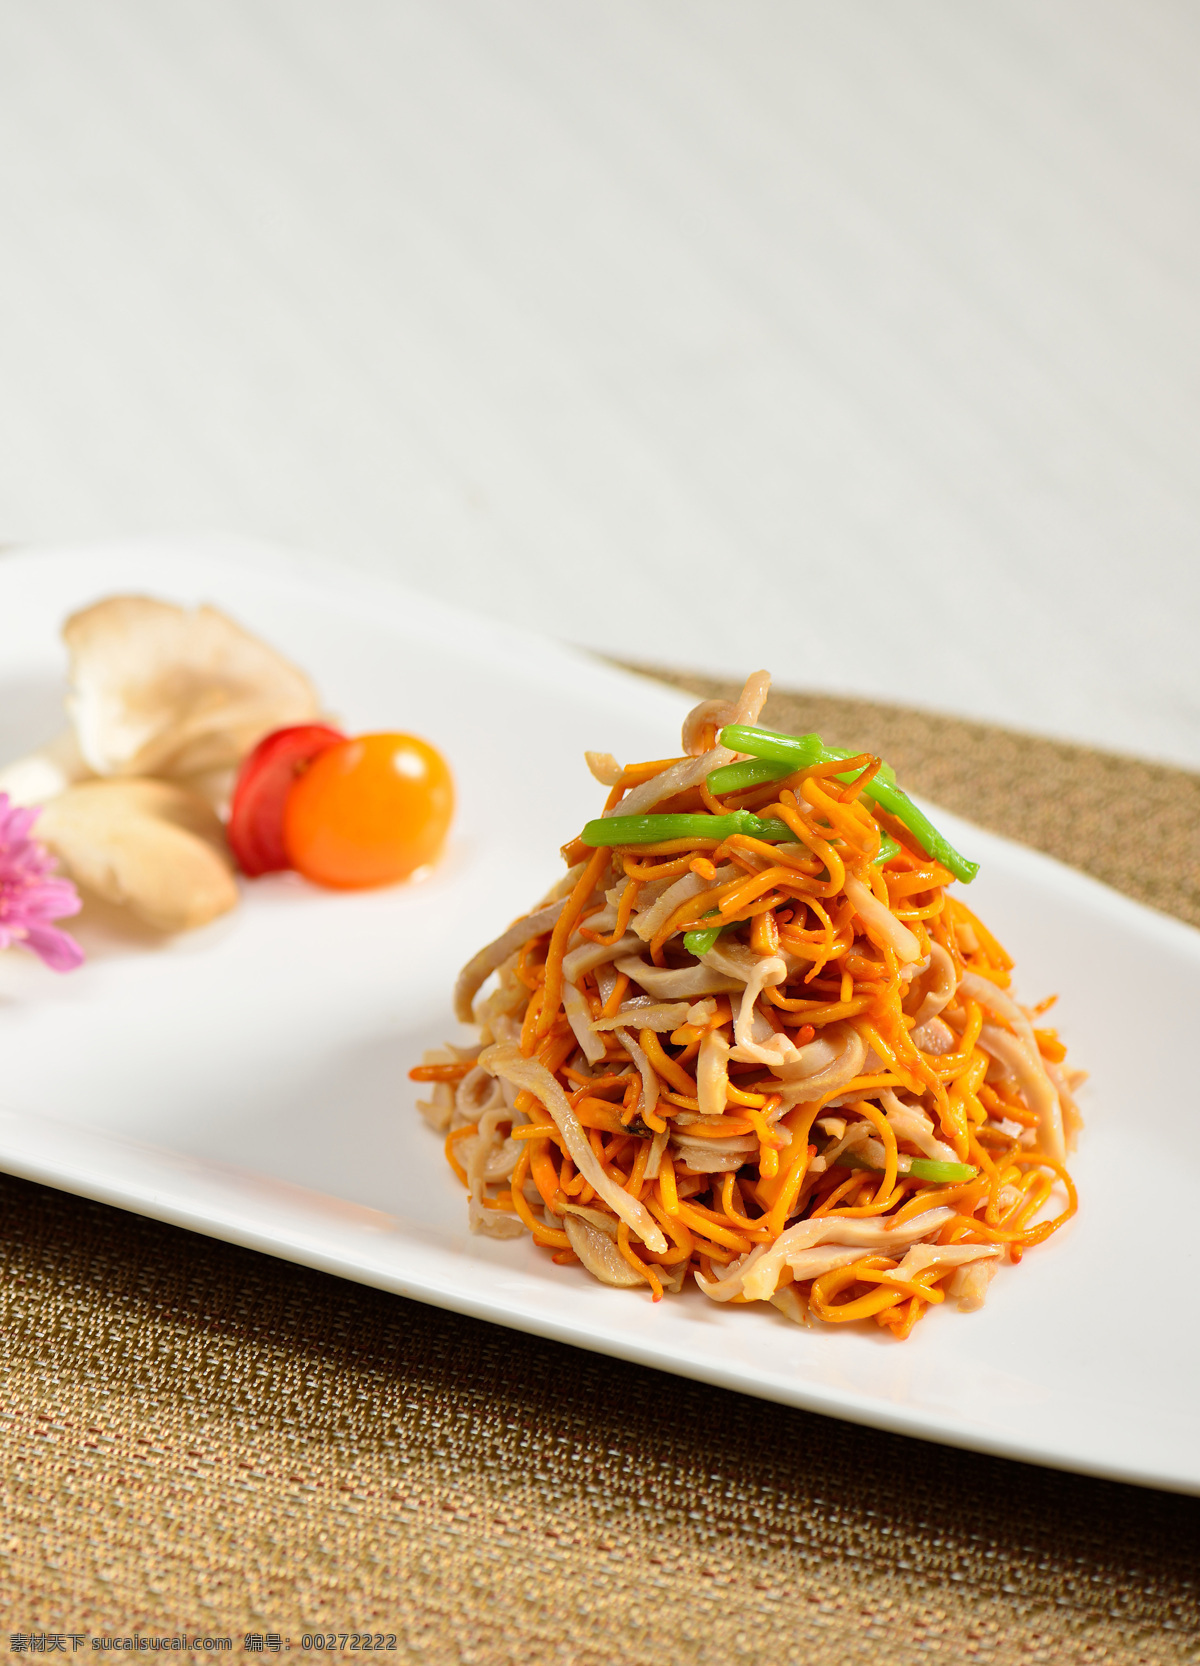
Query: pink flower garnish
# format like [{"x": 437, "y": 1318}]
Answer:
[{"x": 32, "y": 894}]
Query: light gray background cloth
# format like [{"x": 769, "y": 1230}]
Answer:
[{"x": 856, "y": 340}]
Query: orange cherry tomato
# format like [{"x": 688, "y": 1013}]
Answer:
[{"x": 368, "y": 812}]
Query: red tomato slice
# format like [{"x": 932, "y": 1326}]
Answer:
[{"x": 255, "y": 829}]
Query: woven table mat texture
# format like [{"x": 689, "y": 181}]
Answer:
[{"x": 201, "y": 1439}]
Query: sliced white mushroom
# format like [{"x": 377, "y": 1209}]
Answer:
[
  {"x": 882, "y": 926},
  {"x": 791, "y": 1304},
  {"x": 598, "y": 924},
  {"x": 712, "y": 1073},
  {"x": 599, "y": 1253},
  {"x": 855, "y": 1136},
  {"x": 911, "y": 1123},
  {"x": 689, "y": 772},
  {"x": 669, "y": 983},
  {"x": 648, "y": 920},
  {"x": 811, "y": 1263},
  {"x": 488, "y": 1157},
  {"x": 650, "y": 1083},
  {"x": 715, "y": 1156},
  {"x": 563, "y": 885},
  {"x": 602, "y": 1222},
  {"x": 1071, "y": 1114},
  {"x": 505, "y": 1060},
  {"x": 715, "y": 714},
  {"x": 476, "y": 1093},
  {"x": 735, "y": 960},
  {"x": 579, "y": 1017},
  {"x": 1025, "y": 1064},
  {"x": 757, "y": 1274},
  {"x": 1037, "y": 1087},
  {"x": 935, "y": 1037},
  {"x": 671, "y": 1278},
  {"x": 604, "y": 768},
  {"x": 648, "y": 1015},
  {"x": 657, "y": 1146},
  {"x": 439, "y": 1107},
  {"x": 163, "y": 690},
  {"x": 970, "y": 1284},
  {"x": 939, "y": 986},
  {"x": 834, "y": 1057},
  {"x": 481, "y": 966},
  {"x": 708, "y": 718},
  {"x": 590, "y": 955},
  {"x": 499, "y": 1014},
  {"x": 753, "y": 698},
  {"x": 151, "y": 846},
  {"x": 923, "y": 1256},
  {"x": 756, "y": 1041}
]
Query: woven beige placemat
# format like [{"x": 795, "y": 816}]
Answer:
[{"x": 201, "y": 1440}]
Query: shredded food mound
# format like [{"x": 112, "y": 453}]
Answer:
[{"x": 753, "y": 1038}]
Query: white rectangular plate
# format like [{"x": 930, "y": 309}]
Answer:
[{"x": 249, "y": 1081}]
